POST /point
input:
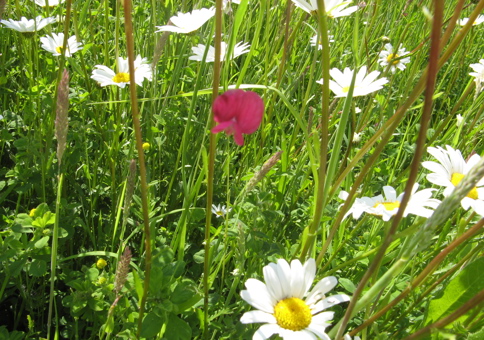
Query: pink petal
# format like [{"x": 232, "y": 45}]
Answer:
[
  {"x": 250, "y": 112},
  {"x": 222, "y": 126},
  {"x": 239, "y": 138},
  {"x": 226, "y": 106}
]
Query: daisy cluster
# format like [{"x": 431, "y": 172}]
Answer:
[
  {"x": 51, "y": 43},
  {"x": 448, "y": 172},
  {"x": 192, "y": 21}
]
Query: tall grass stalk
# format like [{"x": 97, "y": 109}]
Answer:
[
  {"x": 128, "y": 22},
  {"x": 61, "y": 105},
  {"x": 211, "y": 166},
  {"x": 323, "y": 143}
]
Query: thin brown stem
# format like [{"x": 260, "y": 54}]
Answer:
[{"x": 141, "y": 157}]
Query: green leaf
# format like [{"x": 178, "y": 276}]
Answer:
[
  {"x": 92, "y": 274},
  {"x": 185, "y": 291},
  {"x": 16, "y": 267},
  {"x": 177, "y": 329},
  {"x": 347, "y": 284},
  {"x": 461, "y": 289},
  {"x": 479, "y": 335},
  {"x": 42, "y": 242},
  {"x": 138, "y": 285},
  {"x": 38, "y": 268},
  {"x": 151, "y": 326},
  {"x": 109, "y": 325}
]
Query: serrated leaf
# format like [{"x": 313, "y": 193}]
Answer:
[{"x": 461, "y": 289}]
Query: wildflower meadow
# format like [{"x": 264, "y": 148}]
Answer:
[{"x": 242, "y": 169}]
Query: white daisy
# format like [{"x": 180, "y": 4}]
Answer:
[
  {"x": 479, "y": 20},
  {"x": 387, "y": 206},
  {"x": 52, "y": 3},
  {"x": 105, "y": 76},
  {"x": 199, "y": 50},
  {"x": 314, "y": 41},
  {"x": 450, "y": 170},
  {"x": 334, "y": 8},
  {"x": 478, "y": 74},
  {"x": 388, "y": 57},
  {"x": 364, "y": 84},
  {"x": 28, "y": 26},
  {"x": 286, "y": 306},
  {"x": 54, "y": 43},
  {"x": 188, "y": 22},
  {"x": 220, "y": 210}
]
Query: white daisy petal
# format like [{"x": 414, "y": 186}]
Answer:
[
  {"x": 329, "y": 302},
  {"x": 297, "y": 279},
  {"x": 188, "y": 22},
  {"x": 257, "y": 316},
  {"x": 258, "y": 296},
  {"x": 265, "y": 331}
]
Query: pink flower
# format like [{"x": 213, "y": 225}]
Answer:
[{"x": 238, "y": 112}]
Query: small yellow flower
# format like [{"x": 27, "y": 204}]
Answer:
[
  {"x": 101, "y": 263},
  {"x": 146, "y": 146},
  {"x": 32, "y": 212}
]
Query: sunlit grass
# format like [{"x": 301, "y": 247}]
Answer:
[{"x": 280, "y": 191}]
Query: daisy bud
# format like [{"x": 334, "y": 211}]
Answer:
[
  {"x": 238, "y": 112},
  {"x": 61, "y": 123}
]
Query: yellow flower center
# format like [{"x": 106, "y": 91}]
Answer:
[
  {"x": 121, "y": 77},
  {"x": 456, "y": 178},
  {"x": 293, "y": 314},
  {"x": 58, "y": 49},
  {"x": 391, "y": 59},
  {"x": 388, "y": 205},
  {"x": 345, "y": 89}
]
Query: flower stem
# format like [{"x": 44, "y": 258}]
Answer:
[
  {"x": 323, "y": 150},
  {"x": 211, "y": 166},
  {"x": 141, "y": 157}
]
